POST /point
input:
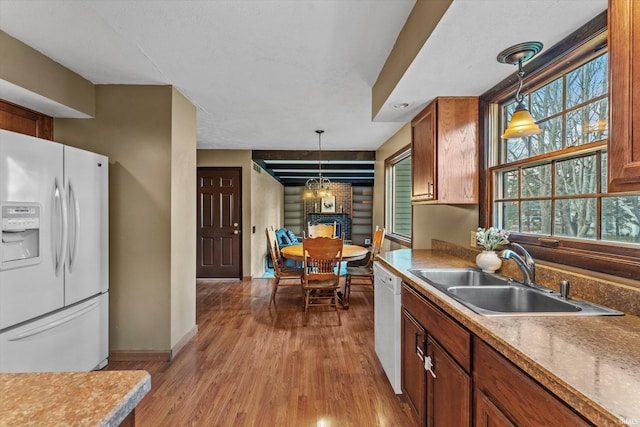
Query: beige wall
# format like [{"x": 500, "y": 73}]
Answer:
[
  {"x": 241, "y": 159},
  {"x": 267, "y": 209},
  {"x": 133, "y": 126},
  {"x": 451, "y": 223},
  {"x": 27, "y": 68},
  {"x": 183, "y": 218},
  {"x": 148, "y": 132}
]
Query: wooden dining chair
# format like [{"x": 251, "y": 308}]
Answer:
[
  {"x": 321, "y": 275},
  {"x": 364, "y": 274},
  {"x": 280, "y": 270},
  {"x": 322, "y": 230}
]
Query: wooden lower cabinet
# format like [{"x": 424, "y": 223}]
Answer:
[
  {"x": 505, "y": 396},
  {"x": 414, "y": 379},
  {"x": 501, "y": 393},
  {"x": 449, "y": 392},
  {"x": 486, "y": 414},
  {"x": 441, "y": 398}
]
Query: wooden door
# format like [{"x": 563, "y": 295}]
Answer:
[
  {"x": 414, "y": 384},
  {"x": 449, "y": 392},
  {"x": 219, "y": 223}
]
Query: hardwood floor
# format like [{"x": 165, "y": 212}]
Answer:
[{"x": 251, "y": 365}]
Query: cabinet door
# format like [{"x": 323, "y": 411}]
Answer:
[
  {"x": 517, "y": 395},
  {"x": 423, "y": 154},
  {"x": 457, "y": 150},
  {"x": 487, "y": 414},
  {"x": 448, "y": 392},
  {"x": 624, "y": 96},
  {"x": 413, "y": 374}
]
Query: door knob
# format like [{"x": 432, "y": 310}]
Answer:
[
  {"x": 236, "y": 232},
  {"x": 235, "y": 224}
]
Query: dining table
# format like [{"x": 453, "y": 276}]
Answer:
[{"x": 349, "y": 252}]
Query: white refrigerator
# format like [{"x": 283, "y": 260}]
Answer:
[{"x": 54, "y": 268}]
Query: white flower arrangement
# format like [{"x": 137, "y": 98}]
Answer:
[{"x": 492, "y": 238}]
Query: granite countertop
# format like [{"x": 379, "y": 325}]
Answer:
[
  {"x": 99, "y": 398},
  {"x": 592, "y": 363}
]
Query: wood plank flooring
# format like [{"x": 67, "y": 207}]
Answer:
[{"x": 251, "y": 365}]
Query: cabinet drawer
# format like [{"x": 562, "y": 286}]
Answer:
[
  {"x": 515, "y": 394},
  {"x": 449, "y": 333}
]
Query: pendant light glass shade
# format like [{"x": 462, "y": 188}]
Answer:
[{"x": 521, "y": 124}]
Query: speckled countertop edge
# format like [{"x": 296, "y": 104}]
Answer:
[
  {"x": 128, "y": 402},
  {"x": 564, "y": 381},
  {"x": 99, "y": 398}
]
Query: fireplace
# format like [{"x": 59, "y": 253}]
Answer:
[{"x": 324, "y": 218}]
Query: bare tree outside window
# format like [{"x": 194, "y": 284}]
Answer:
[{"x": 560, "y": 191}]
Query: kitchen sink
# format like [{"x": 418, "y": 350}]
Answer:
[
  {"x": 511, "y": 299},
  {"x": 446, "y": 277},
  {"x": 495, "y": 295}
]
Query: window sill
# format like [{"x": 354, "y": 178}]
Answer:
[
  {"x": 401, "y": 240},
  {"x": 615, "y": 259}
]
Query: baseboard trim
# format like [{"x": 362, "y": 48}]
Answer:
[
  {"x": 183, "y": 341},
  {"x": 139, "y": 356}
]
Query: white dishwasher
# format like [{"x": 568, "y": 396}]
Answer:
[{"x": 387, "y": 305}]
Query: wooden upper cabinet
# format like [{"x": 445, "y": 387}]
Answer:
[
  {"x": 624, "y": 96},
  {"x": 444, "y": 151},
  {"x": 21, "y": 120},
  {"x": 423, "y": 154}
]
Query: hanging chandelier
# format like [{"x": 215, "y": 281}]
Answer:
[
  {"x": 318, "y": 187},
  {"x": 522, "y": 124}
]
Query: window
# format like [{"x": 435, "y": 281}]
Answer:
[
  {"x": 550, "y": 190},
  {"x": 398, "y": 196}
]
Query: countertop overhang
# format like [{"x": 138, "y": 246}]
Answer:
[
  {"x": 591, "y": 363},
  {"x": 99, "y": 398}
]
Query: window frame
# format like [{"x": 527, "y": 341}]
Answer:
[
  {"x": 615, "y": 258},
  {"x": 389, "y": 164}
]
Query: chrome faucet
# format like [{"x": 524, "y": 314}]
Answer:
[{"x": 527, "y": 265}]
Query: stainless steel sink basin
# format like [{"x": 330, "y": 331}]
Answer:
[
  {"x": 511, "y": 299},
  {"x": 495, "y": 295},
  {"x": 459, "y": 276}
]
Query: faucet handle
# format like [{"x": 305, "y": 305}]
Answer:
[{"x": 564, "y": 289}]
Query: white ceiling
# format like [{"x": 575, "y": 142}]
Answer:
[{"x": 264, "y": 74}]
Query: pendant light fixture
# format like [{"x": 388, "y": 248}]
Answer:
[
  {"x": 318, "y": 187},
  {"x": 522, "y": 124}
]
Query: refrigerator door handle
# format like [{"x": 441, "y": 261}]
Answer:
[
  {"x": 74, "y": 226},
  {"x": 55, "y": 324},
  {"x": 60, "y": 225}
]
